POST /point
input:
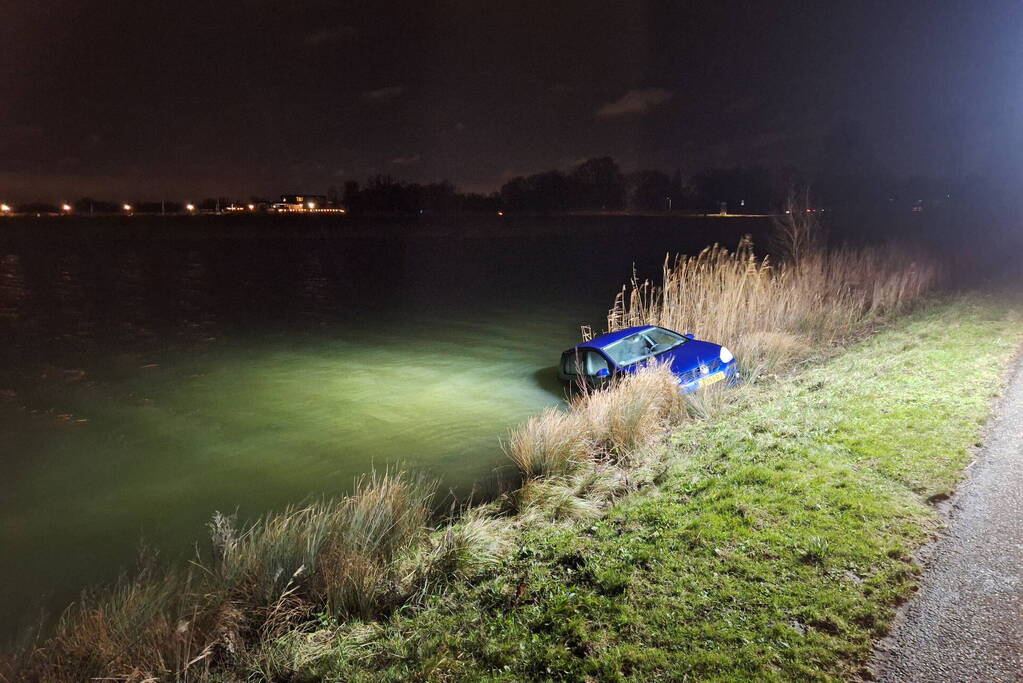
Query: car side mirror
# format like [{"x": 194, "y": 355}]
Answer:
[
  {"x": 603, "y": 372},
  {"x": 689, "y": 336}
]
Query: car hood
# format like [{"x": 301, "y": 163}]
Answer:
[{"x": 690, "y": 356}]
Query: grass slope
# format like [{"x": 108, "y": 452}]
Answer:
[{"x": 774, "y": 549}]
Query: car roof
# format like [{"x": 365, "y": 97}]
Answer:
[{"x": 604, "y": 340}]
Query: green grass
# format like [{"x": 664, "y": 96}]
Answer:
[{"x": 775, "y": 547}]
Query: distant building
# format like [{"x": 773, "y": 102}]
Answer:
[{"x": 300, "y": 203}]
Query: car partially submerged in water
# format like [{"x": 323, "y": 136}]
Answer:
[{"x": 695, "y": 363}]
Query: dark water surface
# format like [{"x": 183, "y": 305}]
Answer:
[{"x": 154, "y": 371}]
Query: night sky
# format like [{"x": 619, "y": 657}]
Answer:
[{"x": 258, "y": 97}]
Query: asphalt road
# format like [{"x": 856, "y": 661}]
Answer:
[{"x": 966, "y": 621}]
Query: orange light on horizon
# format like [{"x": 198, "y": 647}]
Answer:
[
  {"x": 311, "y": 205},
  {"x": 5, "y": 208},
  {"x": 66, "y": 208},
  {"x": 126, "y": 207},
  {"x": 189, "y": 207},
  {"x": 252, "y": 207}
]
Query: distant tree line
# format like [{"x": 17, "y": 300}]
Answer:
[
  {"x": 846, "y": 185},
  {"x": 596, "y": 184},
  {"x": 600, "y": 185},
  {"x": 385, "y": 194}
]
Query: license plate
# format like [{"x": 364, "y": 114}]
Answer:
[{"x": 711, "y": 379}]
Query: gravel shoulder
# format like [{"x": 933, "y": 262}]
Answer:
[{"x": 966, "y": 621}]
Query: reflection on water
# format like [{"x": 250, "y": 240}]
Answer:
[
  {"x": 146, "y": 383},
  {"x": 13, "y": 293}
]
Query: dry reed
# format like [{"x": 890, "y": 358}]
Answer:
[{"x": 772, "y": 314}]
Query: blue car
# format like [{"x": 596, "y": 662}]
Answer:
[{"x": 696, "y": 363}]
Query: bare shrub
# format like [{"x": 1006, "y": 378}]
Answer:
[{"x": 798, "y": 230}]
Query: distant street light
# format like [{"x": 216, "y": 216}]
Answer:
[
  {"x": 4, "y": 208},
  {"x": 127, "y": 208},
  {"x": 311, "y": 205},
  {"x": 252, "y": 207},
  {"x": 190, "y": 208},
  {"x": 66, "y": 208}
]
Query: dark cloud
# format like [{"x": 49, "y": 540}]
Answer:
[
  {"x": 634, "y": 103},
  {"x": 410, "y": 160},
  {"x": 386, "y": 94},
  {"x": 326, "y": 36}
]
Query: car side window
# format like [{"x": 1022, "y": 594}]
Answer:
[
  {"x": 589, "y": 362},
  {"x": 572, "y": 363},
  {"x": 595, "y": 363}
]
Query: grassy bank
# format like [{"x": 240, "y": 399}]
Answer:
[{"x": 774, "y": 547}]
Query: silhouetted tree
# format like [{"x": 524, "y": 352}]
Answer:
[
  {"x": 648, "y": 190},
  {"x": 351, "y": 190},
  {"x": 598, "y": 184},
  {"x": 594, "y": 184},
  {"x": 385, "y": 194},
  {"x": 480, "y": 203},
  {"x": 515, "y": 195}
]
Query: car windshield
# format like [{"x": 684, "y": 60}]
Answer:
[{"x": 642, "y": 345}]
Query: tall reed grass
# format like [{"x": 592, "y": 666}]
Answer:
[{"x": 772, "y": 314}]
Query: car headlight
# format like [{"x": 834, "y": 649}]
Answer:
[{"x": 725, "y": 355}]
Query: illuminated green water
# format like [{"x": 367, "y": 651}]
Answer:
[{"x": 147, "y": 384}]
